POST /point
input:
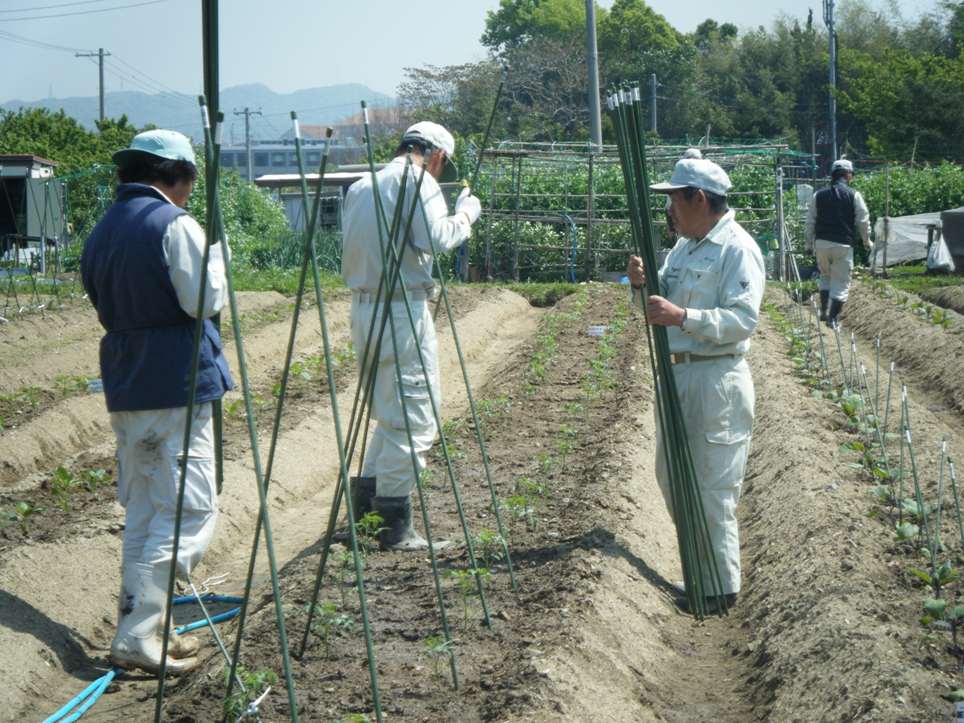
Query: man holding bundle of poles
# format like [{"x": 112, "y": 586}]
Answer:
[
  {"x": 389, "y": 475},
  {"x": 712, "y": 284}
]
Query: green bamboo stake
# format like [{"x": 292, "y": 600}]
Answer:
[
  {"x": 387, "y": 313},
  {"x": 918, "y": 496},
  {"x": 252, "y": 433},
  {"x": 900, "y": 499},
  {"x": 937, "y": 518},
  {"x": 692, "y": 533},
  {"x": 890, "y": 380}
]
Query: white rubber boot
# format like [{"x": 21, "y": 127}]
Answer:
[
  {"x": 140, "y": 621},
  {"x": 180, "y": 646}
]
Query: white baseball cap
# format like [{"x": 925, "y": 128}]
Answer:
[
  {"x": 433, "y": 134},
  {"x": 696, "y": 173},
  {"x": 842, "y": 165},
  {"x": 169, "y": 145},
  {"x": 692, "y": 153},
  {"x": 436, "y": 136}
]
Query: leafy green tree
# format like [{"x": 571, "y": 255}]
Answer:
[
  {"x": 911, "y": 105},
  {"x": 58, "y": 137},
  {"x": 710, "y": 31},
  {"x": 632, "y": 27},
  {"x": 519, "y": 21},
  {"x": 459, "y": 97}
]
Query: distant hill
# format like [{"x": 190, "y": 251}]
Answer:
[{"x": 315, "y": 106}]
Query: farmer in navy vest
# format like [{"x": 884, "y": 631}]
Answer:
[
  {"x": 141, "y": 268},
  {"x": 836, "y": 215}
]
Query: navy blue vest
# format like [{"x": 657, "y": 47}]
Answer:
[
  {"x": 836, "y": 213},
  {"x": 145, "y": 357}
]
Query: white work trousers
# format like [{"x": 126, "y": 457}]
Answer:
[
  {"x": 717, "y": 401},
  {"x": 836, "y": 264},
  {"x": 389, "y": 455},
  {"x": 150, "y": 455}
]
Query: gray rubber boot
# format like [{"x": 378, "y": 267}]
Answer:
[
  {"x": 835, "y": 306},
  {"x": 140, "y": 620},
  {"x": 398, "y": 533},
  {"x": 362, "y": 491},
  {"x": 824, "y": 300}
]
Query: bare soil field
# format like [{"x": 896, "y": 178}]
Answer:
[{"x": 827, "y": 626}]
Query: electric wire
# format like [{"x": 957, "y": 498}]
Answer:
[
  {"x": 11, "y": 37},
  {"x": 83, "y": 12},
  {"x": 51, "y": 7}
]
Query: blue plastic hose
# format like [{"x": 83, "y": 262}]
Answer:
[
  {"x": 572, "y": 262},
  {"x": 92, "y": 692}
]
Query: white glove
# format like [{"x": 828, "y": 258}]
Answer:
[
  {"x": 869, "y": 246},
  {"x": 468, "y": 204}
]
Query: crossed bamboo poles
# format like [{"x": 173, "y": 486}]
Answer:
[{"x": 392, "y": 248}]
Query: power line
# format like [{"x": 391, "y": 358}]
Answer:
[
  {"x": 4, "y": 35},
  {"x": 150, "y": 89},
  {"x": 186, "y": 98},
  {"x": 51, "y": 7},
  {"x": 84, "y": 12}
]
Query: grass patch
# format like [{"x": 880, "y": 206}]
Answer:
[
  {"x": 284, "y": 281},
  {"x": 915, "y": 279},
  {"x": 539, "y": 294}
]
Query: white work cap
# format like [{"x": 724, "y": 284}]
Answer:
[
  {"x": 842, "y": 165},
  {"x": 696, "y": 173},
  {"x": 433, "y": 134},
  {"x": 169, "y": 145},
  {"x": 692, "y": 153}
]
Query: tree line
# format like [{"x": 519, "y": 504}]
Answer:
[{"x": 900, "y": 81}]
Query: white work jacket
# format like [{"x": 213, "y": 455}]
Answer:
[
  {"x": 719, "y": 281},
  {"x": 361, "y": 260},
  {"x": 183, "y": 244}
]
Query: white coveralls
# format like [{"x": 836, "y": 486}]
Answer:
[
  {"x": 150, "y": 443},
  {"x": 719, "y": 281},
  {"x": 835, "y": 260},
  {"x": 389, "y": 456}
]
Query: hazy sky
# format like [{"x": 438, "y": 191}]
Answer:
[{"x": 285, "y": 44}]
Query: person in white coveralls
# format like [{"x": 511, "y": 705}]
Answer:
[{"x": 389, "y": 475}]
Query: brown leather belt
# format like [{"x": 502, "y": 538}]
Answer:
[{"x": 686, "y": 356}]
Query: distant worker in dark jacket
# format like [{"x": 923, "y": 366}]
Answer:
[
  {"x": 836, "y": 215},
  {"x": 141, "y": 268}
]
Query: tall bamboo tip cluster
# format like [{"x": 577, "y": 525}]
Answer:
[{"x": 700, "y": 571}]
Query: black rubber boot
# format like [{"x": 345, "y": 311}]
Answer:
[
  {"x": 824, "y": 300},
  {"x": 398, "y": 533},
  {"x": 362, "y": 491},
  {"x": 835, "y": 306}
]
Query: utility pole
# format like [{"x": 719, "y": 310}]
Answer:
[
  {"x": 247, "y": 138},
  {"x": 828, "y": 19},
  {"x": 592, "y": 57},
  {"x": 99, "y": 54},
  {"x": 652, "y": 102}
]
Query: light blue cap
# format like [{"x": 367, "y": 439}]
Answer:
[{"x": 169, "y": 145}]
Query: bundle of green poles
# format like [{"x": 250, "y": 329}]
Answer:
[{"x": 697, "y": 559}]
